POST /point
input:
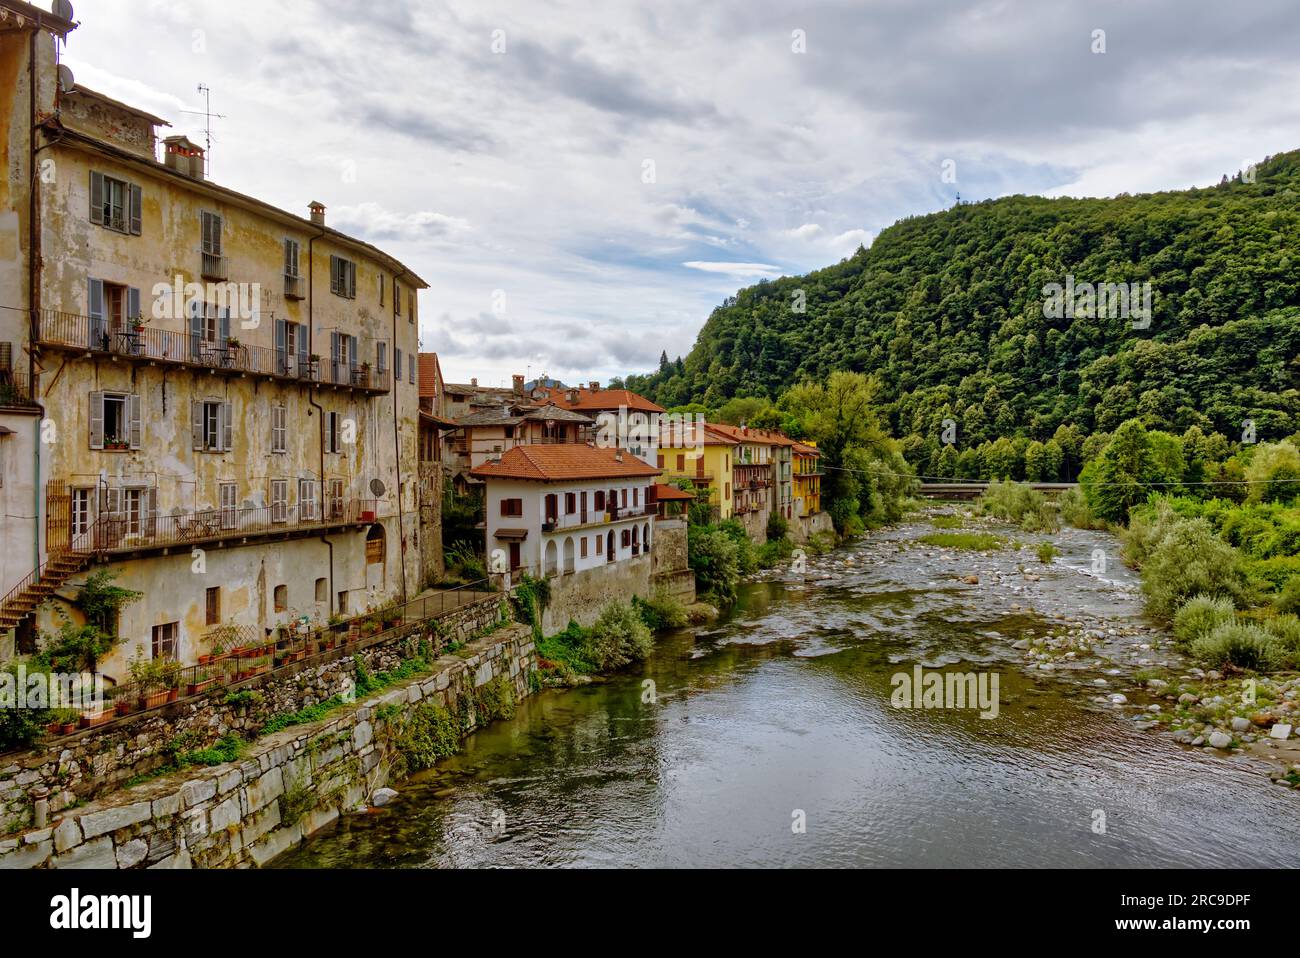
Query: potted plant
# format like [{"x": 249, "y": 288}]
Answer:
[
  {"x": 122, "y": 706},
  {"x": 137, "y": 322},
  {"x": 63, "y": 721},
  {"x": 152, "y": 677},
  {"x": 232, "y": 342},
  {"x": 203, "y": 680}
]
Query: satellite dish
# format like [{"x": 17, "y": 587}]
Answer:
[
  {"x": 62, "y": 9},
  {"x": 67, "y": 82},
  {"x": 377, "y": 487}
]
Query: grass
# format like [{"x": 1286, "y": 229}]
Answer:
[
  {"x": 946, "y": 522},
  {"x": 977, "y": 541},
  {"x": 1047, "y": 552}
]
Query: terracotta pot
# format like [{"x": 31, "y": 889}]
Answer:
[
  {"x": 122, "y": 708},
  {"x": 194, "y": 688},
  {"x": 54, "y": 727},
  {"x": 67, "y": 728},
  {"x": 173, "y": 695},
  {"x": 205, "y": 660}
]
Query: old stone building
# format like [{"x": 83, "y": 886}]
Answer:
[{"x": 228, "y": 408}]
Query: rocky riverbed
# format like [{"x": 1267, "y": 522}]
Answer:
[{"x": 1077, "y": 620}]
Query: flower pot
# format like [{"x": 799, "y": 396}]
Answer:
[
  {"x": 122, "y": 708},
  {"x": 67, "y": 728},
  {"x": 194, "y": 688},
  {"x": 54, "y": 728},
  {"x": 94, "y": 719},
  {"x": 153, "y": 699},
  {"x": 205, "y": 660},
  {"x": 173, "y": 695}
]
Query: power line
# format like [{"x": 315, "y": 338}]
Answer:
[{"x": 954, "y": 481}]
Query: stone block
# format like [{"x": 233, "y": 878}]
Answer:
[
  {"x": 265, "y": 789},
  {"x": 111, "y": 819},
  {"x": 67, "y": 834},
  {"x": 198, "y": 790},
  {"x": 224, "y": 815},
  {"x": 29, "y": 856},
  {"x": 132, "y": 853},
  {"x": 93, "y": 854}
]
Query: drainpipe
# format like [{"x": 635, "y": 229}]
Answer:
[
  {"x": 397, "y": 445},
  {"x": 311, "y": 302},
  {"x": 33, "y": 289}
]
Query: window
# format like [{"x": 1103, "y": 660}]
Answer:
[
  {"x": 624, "y": 498},
  {"x": 728, "y": 493},
  {"x": 281, "y": 598},
  {"x": 332, "y": 443},
  {"x": 212, "y": 614},
  {"x": 279, "y": 500},
  {"x": 306, "y": 499},
  {"x": 599, "y": 498},
  {"x": 211, "y": 226},
  {"x": 636, "y": 497},
  {"x": 570, "y": 503},
  {"x": 343, "y": 277},
  {"x": 681, "y": 462},
  {"x": 334, "y": 499},
  {"x": 582, "y": 547},
  {"x": 381, "y": 357},
  {"x": 292, "y": 255},
  {"x": 410, "y": 362},
  {"x": 397, "y": 298},
  {"x": 626, "y": 538},
  {"x": 343, "y": 603},
  {"x": 211, "y": 425},
  {"x": 600, "y": 545},
  {"x": 382, "y": 283},
  {"x": 229, "y": 505},
  {"x": 397, "y": 363},
  {"x": 512, "y": 507},
  {"x": 114, "y": 204},
  {"x": 164, "y": 640},
  {"x": 279, "y": 430},
  {"x": 114, "y": 421},
  {"x": 659, "y": 460},
  {"x": 322, "y": 593},
  {"x": 80, "y": 511}
]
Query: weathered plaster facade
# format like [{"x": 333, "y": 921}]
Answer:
[{"x": 287, "y": 449}]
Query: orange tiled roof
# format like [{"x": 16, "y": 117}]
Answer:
[
  {"x": 678, "y": 437},
  {"x": 801, "y": 450},
  {"x": 564, "y": 461},
  {"x": 594, "y": 400},
  {"x": 760, "y": 437},
  {"x": 430, "y": 375},
  {"x": 665, "y": 493}
]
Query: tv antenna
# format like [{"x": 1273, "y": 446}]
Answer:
[{"x": 208, "y": 116}]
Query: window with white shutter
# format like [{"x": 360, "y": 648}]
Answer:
[
  {"x": 115, "y": 204},
  {"x": 343, "y": 277},
  {"x": 307, "y": 499},
  {"x": 279, "y": 429},
  {"x": 279, "y": 500}
]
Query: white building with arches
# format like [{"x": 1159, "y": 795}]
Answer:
[{"x": 556, "y": 510}]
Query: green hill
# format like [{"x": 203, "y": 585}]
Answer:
[{"x": 948, "y": 310}]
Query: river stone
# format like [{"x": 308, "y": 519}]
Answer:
[
  {"x": 1240, "y": 724},
  {"x": 382, "y": 797},
  {"x": 1119, "y": 698},
  {"x": 1280, "y": 731},
  {"x": 1220, "y": 739}
]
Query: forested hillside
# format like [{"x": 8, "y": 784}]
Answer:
[{"x": 948, "y": 311}]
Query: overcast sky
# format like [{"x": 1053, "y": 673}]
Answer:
[{"x": 503, "y": 150}]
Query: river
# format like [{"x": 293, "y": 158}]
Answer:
[{"x": 779, "y": 716}]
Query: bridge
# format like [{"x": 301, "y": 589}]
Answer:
[{"x": 973, "y": 489}]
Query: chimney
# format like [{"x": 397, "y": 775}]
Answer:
[
  {"x": 594, "y": 385},
  {"x": 518, "y": 384},
  {"x": 184, "y": 157},
  {"x": 317, "y": 213},
  {"x": 573, "y": 395},
  {"x": 474, "y": 381},
  {"x": 618, "y": 455}
]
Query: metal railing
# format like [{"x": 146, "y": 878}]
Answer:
[
  {"x": 127, "y": 532},
  {"x": 16, "y": 388},
  {"x": 295, "y": 287},
  {"x": 169, "y": 346},
  {"x": 215, "y": 266},
  {"x": 287, "y": 647}
]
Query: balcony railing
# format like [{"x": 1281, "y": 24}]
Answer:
[
  {"x": 168, "y": 346},
  {"x": 16, "y": 389},
  {"x": 215, "y": 266},
  {"x": 295, "y": 287},
  {"x": 128, "y": 532}
]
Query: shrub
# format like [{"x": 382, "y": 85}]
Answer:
[
  {"x": 1239, "y": 645},
  {"x": 664, "y": 611},
  {"x": 1274, "y": 472},
  {"x": 946, "y": 522},
  {"x": 774, "y": 552},
  {"x": 1191, "y": 559},
  {"x": 431, "y": 733},
  {"x": 618, "y": 637},
  {"x": 1288, "y": 598},
  {"x": 1072, "y": 505},
  {"x": 1133, "y": 461},
  {"x": 1148, "y": 526},
  {"x": 1286, "y": 629},
  {"x": 715, "y": 559},
  {"x": 1016, "y": 502},
  {"x": 820, "y": 543},
  {"x": 1199, "y": 615},
  {"x": 777, "y": 527},
  {"x": 1047, "y": 552}
]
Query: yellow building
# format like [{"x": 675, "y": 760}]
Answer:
[
  {"x": 807, "y": 480},
  {"x": 703, "y": 457},
  {"x": 228, "y": 391}
]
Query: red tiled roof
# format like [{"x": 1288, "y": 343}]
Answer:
[
  {"x": 664, "y": 493},
  {"x": 594, "y": 400},
  {"x": 760, "y": 437},
  {"x": 564, "y": 461},
  {"x": 681, "y": 436},
  {"x": 430, "y": 375},
  {"x": 801, "y": 450}
]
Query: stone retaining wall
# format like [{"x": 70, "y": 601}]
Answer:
[
  {"x": 36, "y": 785},
  {"x": 582, "y": 596},
  {"x": 290, "y": 784},
  {"x": 672, "y": 571},
  {"x": 803, "y": 528}
]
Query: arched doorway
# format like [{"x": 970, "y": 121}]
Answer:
[
  {"x": 376, "y": 557},
  {"x": 568, "y": 555},
  {"x": 550, "y": 561},
  {"x": 609, "y": 547}
]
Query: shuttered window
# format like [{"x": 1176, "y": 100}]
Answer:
[
  {"x": 410, "y": 361},
  {"x": 116, "y": 421},
  {"x": 279, "y": 430},
  {"x": 211, "y": 233},
  {"x": 211, "y": 426},
  {"x": 381, "y": 357},
  {"x": 306, "y": 499},
  {"x": 115, "y": 204},
  {"x": 343, "y": 277},
  {"x": 279, "y": 500},
  {"x": 291, "y": 256}
]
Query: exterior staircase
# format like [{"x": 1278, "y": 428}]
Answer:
[{"x": 23, "y": 600}]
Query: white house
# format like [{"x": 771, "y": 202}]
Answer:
[{"x": 559, "y": 509}]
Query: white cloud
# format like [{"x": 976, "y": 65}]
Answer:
[{"x": 744, "y": 270}]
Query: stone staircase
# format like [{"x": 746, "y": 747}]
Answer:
[{"x": 23, "y": 600}]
